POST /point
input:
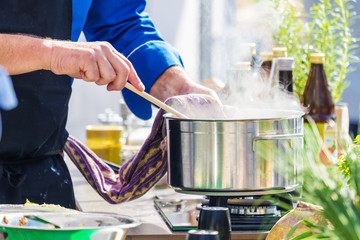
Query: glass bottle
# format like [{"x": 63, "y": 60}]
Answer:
[
  {"x": 284, "y": 68},
  {"x": 253, "y": 55},
  {"x": 248, "y": 53},
  {"x": 265, "y": 65},
  {"x": 285, "y": 77},
  {"x": 105, "y": 141},
  {"x": 318, "y": 100}
]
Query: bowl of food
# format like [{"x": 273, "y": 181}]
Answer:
[{"x": 31, "y": 223}]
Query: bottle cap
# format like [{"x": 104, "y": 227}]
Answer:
[
  {"x": 266, "y": 56},
  {"x": 280, "y": 52},
  {"x": 250, "y": 46},
  {"x": 317, "y": 58},
  {"x": 243, "y": 66}
]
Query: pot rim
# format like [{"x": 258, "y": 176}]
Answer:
[{"x": 293, "y": 114}]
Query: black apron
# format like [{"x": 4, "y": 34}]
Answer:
[{"x": 34, "y": 134}]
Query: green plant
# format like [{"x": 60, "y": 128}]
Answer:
[
  {"x": 346, "y": 162},
  {"x": 326, "y": 28},
  {"x": 336, "y": 191}
]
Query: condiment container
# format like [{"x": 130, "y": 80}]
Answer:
[
  {"x": 216, "y": 219},
  {"x": 266, "y": 59},
  {"x": 283, "y": 66},
  {"x": 105, "y": 141},
  {"x": 318, "y": 100}
]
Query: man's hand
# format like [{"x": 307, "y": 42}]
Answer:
[
  {"x": 95, "y": 62},
  {"x": 175, "y": 81}
]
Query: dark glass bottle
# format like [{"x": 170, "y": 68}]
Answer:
[
  {"x": 284, "y": 67},
  {"x": 318, "y": 100},
  {"x": 265, "y": 65}
]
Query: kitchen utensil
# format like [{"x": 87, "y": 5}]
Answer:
[
  {"x": 106, "y": 141},
  {"x": 202, "y": 235},
  {"x": 217, "y": 219},
  {"x": 74, "y": 224},
  {"x": 245, "y": 157},
  {"x": 155, "y": 101}
]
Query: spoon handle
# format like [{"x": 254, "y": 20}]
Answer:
[{"x": 155, "y": 101}]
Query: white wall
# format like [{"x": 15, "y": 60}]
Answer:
[{"x": 177, "y": 20}]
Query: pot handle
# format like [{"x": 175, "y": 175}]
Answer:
[{"x": 275, "y": 137}]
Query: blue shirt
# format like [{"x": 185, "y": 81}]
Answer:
[{"x": 130, "y": 30}]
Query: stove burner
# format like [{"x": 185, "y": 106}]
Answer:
[
  {"x": 247, "y": 206},
  {"x": 247, "y": 213},
  {"x": 259, "y": 211}
]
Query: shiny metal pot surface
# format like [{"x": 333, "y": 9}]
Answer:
[{"x": 235, "y": 157}]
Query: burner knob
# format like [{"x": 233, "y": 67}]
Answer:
[{"x": 202, "y": 235}]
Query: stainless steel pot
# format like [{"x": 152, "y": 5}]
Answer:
[{"x": 253, "y": 156}]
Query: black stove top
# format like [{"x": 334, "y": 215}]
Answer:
[{"x": 247, "y": 213}]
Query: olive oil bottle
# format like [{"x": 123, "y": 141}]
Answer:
[{"x": 318, "y": 100}]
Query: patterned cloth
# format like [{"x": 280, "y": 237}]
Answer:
[{"x": 145, "y": 168}]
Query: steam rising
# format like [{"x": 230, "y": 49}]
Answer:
[
  {"x": 257, "y": 22},
  {"x": 248, "y": 94},
  {"x": 253, "y": 97}
]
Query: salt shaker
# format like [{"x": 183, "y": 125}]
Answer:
[{"x": 216, "y": 218}]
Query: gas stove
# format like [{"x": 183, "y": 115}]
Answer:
[{"x": 247, "y": 213}]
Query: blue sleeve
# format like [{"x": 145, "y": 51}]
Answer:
[
  {"x": 8, "y": 98},
  {"x": 130, "y": 30}
]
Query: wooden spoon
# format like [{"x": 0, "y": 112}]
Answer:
[{"x": 155, "y": 101}]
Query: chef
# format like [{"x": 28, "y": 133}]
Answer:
[{"x": 40, "y": 52}]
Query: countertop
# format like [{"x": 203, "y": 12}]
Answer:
[{"x": 153, "y": 226}]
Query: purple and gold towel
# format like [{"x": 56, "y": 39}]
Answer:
[{"x": 146, "y": 167}]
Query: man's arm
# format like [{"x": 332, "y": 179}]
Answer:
[
  {"x": 95, "y": 62},
  {"x": 21, "y": 54}
]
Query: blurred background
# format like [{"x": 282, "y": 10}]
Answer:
[{"x": 200, "y": 30}]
